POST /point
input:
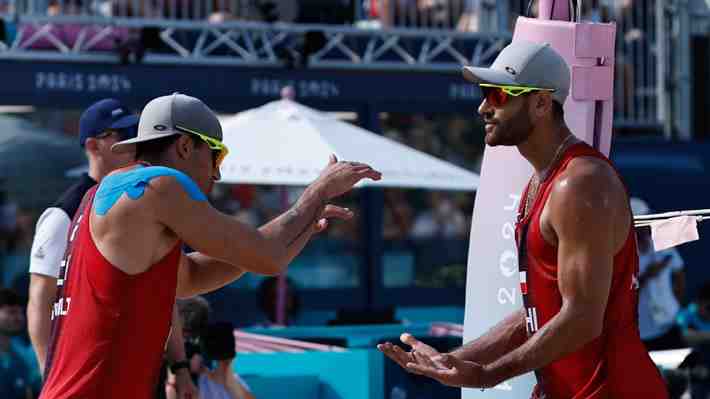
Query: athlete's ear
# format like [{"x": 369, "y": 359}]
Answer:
[
  {"x": 542, "y": 104},
  {"x": 91, "y": 145},
  {"x": 184, "y": 146}
]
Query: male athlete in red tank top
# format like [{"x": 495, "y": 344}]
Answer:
[
  {"x": 129, "y": 320},
  {"x": 124, "y": 264},
  {"x": 578, "y": 263},
  {"x": 603, "y": 367}
]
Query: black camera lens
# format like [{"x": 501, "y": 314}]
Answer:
[
  {"x": 218, "y": 342},
  {"x": 192, "y": 348}
]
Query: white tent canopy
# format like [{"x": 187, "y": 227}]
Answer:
[{"x": 286, "y": 143}]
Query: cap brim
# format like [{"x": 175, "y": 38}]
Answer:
[
  {"x": 126, "y": 121},
  {"x": 130, "y": 144},
  {"x": 486, "y": 75}
]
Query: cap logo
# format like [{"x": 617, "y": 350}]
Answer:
[
  {"x": 159, "y": 128},
  {"x": 510, "y": 70}
]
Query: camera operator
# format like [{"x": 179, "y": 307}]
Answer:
[
  {"x": 219, "y": 381},
  {"x": 210, "y": 350}
]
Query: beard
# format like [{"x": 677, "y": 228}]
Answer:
[{"x": 513, "y": 131}]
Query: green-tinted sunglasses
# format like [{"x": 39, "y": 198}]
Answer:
[
  {"x": 499, "y": 95},
  {"x": 219, "y": 149}
]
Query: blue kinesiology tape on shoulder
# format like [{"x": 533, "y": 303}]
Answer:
[{"x": 133, "y": 183}]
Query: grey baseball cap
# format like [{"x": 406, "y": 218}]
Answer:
[
  {"x": 170, "y": 115},
  {"x": 524, "y": 63}
]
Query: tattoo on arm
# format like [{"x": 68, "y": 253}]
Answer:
[{"x": 293, "y": 216}]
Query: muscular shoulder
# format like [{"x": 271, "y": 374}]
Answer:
[
  {"x": 167, "y": 184},
  {"x": 159, "y": 183},
  {"x": 130, "y": 212},
  {"x": 589, "y": 182},
  {"x": 589, "y": 195}
]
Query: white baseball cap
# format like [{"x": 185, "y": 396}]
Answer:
[
  {"x": 526, "y": 64},
  {"x": 170, "y": 115}
]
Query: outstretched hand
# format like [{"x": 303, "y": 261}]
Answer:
[
  {"x": 339, "y": 177},
  {"x": 420, "y": 352},
  {"x": 452, "y": 371},
  {"x": 336, "y": 179},
  {"x": 331, "y": 212},
  {"x": 424, "y": 360}
]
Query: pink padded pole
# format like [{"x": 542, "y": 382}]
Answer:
[{"x": 554, "y": 9}]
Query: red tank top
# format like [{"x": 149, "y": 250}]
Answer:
[
  {"x": 109, "y": 328},
  {"x": 615, "y": 364}
]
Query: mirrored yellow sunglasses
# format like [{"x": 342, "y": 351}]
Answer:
[
  {"x": 498, "y": 95},
  {"x": 217, "y": 147}
]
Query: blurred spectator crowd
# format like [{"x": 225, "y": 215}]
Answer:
[
  {"x": 415, "y": 223},
  {"x": 461, "y": 15},
  {"x": 409, "y": 214},
  {"x": 451, "y": 14},
  {"x": 635, "y": 97}
]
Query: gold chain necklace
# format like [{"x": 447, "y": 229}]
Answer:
[{"x": 538, "y": 178}]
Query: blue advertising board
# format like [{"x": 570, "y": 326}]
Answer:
[{"x": 230, "y": 88}]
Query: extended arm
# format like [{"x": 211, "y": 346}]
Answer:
[
  {"x": 176, "y": 353},
  {"x": 43, "y": 292},
  {"x": 589, "y": 216},
  {"x": 505, "y": 336},
  {"x": 227, "y": 247},
  {"x": 48, "y": 248}
]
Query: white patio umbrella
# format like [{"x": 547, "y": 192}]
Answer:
[{"x": 286, "y": 143}]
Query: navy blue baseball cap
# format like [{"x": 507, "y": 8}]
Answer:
[{"x": 107, "y": 114}]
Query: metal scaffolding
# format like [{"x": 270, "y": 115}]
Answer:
[{"x": 250, "y": 44}]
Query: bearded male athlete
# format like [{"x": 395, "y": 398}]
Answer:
[{"x": 578, "y": 330}]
